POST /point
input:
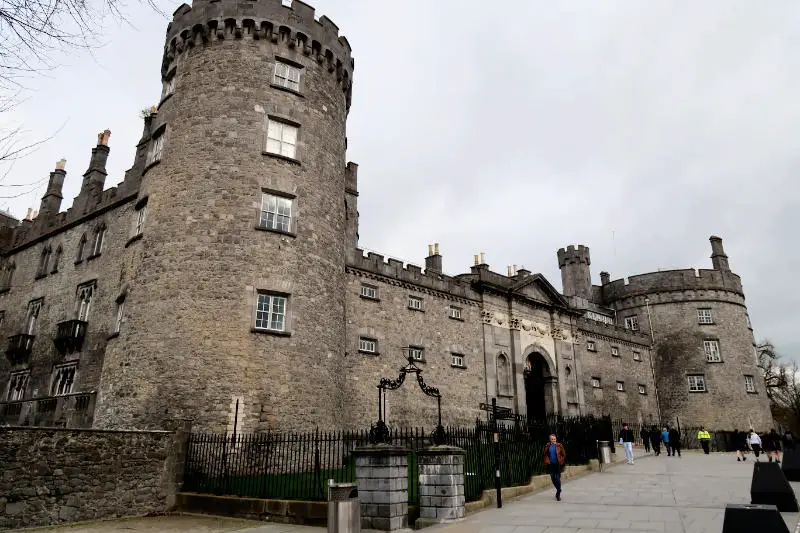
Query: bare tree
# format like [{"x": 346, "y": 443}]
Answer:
[{"x": 782, "y": 383}]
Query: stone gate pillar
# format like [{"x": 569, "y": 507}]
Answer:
[
  {"x": 441, "y": 485},
  {"x": 382, "y": 476}
]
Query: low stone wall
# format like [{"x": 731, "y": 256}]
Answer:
[{"x": 52, "y": 476}]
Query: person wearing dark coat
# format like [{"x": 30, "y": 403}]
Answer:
[
  {"x": 655, "y": 440},
  {"x": 740, "y": 443},
  {"x": 626, "y": 439},
  {"x": 675, "y": 441},
  {"x": 646, "y": 439},
  {"x": 787, "y": 440}
]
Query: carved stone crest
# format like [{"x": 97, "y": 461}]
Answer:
[
  {"x": 515, "y": 323},
  {"x": 486, "y": 316}
]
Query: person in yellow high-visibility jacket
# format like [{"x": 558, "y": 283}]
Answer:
[{"x": 705, "y": 439}]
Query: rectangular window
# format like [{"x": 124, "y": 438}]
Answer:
[
  {"x": 154, "y": 154},
  {"x": 367, "y": 345},
  {"x": 615, "y": 351},
  {"x": 457, "y": 360},
  {"x": 455, "y": 312},
  {"x": 415, "y": 303},
  {"x": 596, "y": 383},
  {"x": 591, "y": 346},
  {"x": 369, "y": 292},
  {"x": 141, "y": 214},
  {"x": 749, "y": 384},
  {"x": 711, "y": 348},
  {"x": 2, "y": 318},
  {"x": 637, "y": 356},
  {"x": 642, "y": 389},
  {"x": 17, "y": 385},
  {"x": 287, "y": 76},
  {"x": 281, "y": 138},
  {"x": 621, "y": 386},
  {"x": 63, "y": 379},
  {"x": 416, "y": 353},
  {"x": 697, "y": 383},
  {"x": 120, "y": 314},
  {"x": 84, "y": 303},
  {"x": 704, "y": 316},
  {"x": 32, "y": 318},
  {"x": 271, "y": 312},
  {"x": 632, "y": 323},
  {"x": 276, "y": 212}
]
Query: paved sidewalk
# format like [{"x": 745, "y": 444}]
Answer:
[{"x": 676, "y": 495}]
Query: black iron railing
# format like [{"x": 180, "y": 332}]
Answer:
[
  {"x": 74, "y": 410},
  {"x": 19, "y": 348},
  {"x": 297, "y": 466},
  {"x": 70, "y": 335}
]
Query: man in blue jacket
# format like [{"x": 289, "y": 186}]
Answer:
[{"x": 665, "y": 440}]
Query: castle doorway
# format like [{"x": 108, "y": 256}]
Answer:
[{"x": 538, "y": 387}]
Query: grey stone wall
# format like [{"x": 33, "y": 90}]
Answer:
[
  {"x": 441, "y": 485},
  {"x": 53, "y": 476},
  {"x": 382, "y": 476}
]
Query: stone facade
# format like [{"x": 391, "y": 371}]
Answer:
[
  {"x": 229, "y": 287},
  {"x": 53, "y": 476}
]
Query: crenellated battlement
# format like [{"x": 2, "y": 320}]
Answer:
[
  {"x": 672, "y": 280},
  {"x": 573, "y": 254},
  {"x": 295, "y": 26},
  {"x": 394, "y": 269}
]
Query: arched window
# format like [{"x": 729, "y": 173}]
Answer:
[
  {"x": 56, "y": 259},
  {"x": 44, "y": 261},
  {"x": 503, "y": 376},
  {"x": 99, "y": 235},
  {"x": 8, "y": 275},
  {"x": 85, "y": 294},
  {"x": 81, "y": 248}
]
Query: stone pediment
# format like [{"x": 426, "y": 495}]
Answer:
[{"x": 538, "y": 288}]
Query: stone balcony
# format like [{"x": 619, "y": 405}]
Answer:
[
  {"x": 19, "y": 348},
  {"x": 70, "y": 335},
  {"x": 74, "y": 410}
]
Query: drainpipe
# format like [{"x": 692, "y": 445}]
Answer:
[{"x": 652, "y": 354}]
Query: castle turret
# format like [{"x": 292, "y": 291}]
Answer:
[
  {"x": 51, "y": 201},
  {"x": 575, "y": 274},
  {"x": 718, "y": 258},
  {"x": 245, "y": 178}
]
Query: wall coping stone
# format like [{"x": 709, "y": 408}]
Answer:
[
  {"x": 380, "y": 450},
  {"x": 442, "y": 450},
  {"x": 86, "y": 430}
]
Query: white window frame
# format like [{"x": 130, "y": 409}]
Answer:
[
  {"x": 632, "y": 323},
  {"x": 32, "y": 316},
  {"x": 637, "y": 355},
  {"x": 44, "y": 261},
  {"x": 63, "y": 379},
  {"x": 367, "y": 345},
  {"x": 457, "y": 360},
  {"x": 620, "y": 386},
  {"x": 85, "y": 294},
  {"x": 282, "y": 138},
  {"x": 704, "y": 316},
  {"x": 17, "y": 385},
  {"x": 280, "y": 212},
  {"x": 697, "y": 382},
  {"x": 642, "y": 389},
  {"x": 271, "y": 311},
  {"x": 455, "y": 313},
  {"x": 99, "y": 239},
  {"x": 120, "y": 316},
  {"x": 286, "y": 76},
  {"x": 156, "y": 149},
  {"x": 370, "y": 292},
  {"x": 712, "y": 351},
  {"x": 141, "y": 216},
  {"x": 416, "y": 353},
  {"x": 591, "y": 345},
  {"x": 415, "y": 303},
  {"x": 749, "y": 384},
  {"x": 615, "y": 351},
  {"x": 595, "y": 383}
]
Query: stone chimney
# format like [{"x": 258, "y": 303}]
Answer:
[
  {"x": 51, "y": 201},
  {"x": 605, "y": 278},
  {"x": 433, "y": 263},
  {"x": 718, "y": 258},
  {"x": 94, "y": 179}
]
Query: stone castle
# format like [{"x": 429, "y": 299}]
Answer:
[{"x": 222, "y": 281}]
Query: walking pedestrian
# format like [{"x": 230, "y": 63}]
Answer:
[
  {"x": 626, "y": 439},
  {"x": 775, "y": 439},
  {"x": 665, "y": 440},
  {"x": 646, "y": 439},
  {"x": 740, "y": 444},
  {"x": 705, "y": 439},
  {"x": 787, "y": 440},
  {"x": 675, "y": 441},
  {"x": 655, "y": 440},
  {"x": 554, "y": 457},
  {"x": 755, "y": 442}
]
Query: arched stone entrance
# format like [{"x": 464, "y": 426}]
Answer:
[{"x": 540, "y": 384}]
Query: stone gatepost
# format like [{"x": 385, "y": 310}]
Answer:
[
  {"x": 441, "y": 485},
  {"x": 382, "y": 476}
]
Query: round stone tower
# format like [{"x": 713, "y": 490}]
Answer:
[
  {"x": 705, "y": 358},
  {"x": 237, "y": 288}
]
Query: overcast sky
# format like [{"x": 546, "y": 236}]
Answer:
[{"x": 518, "y": 127}]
